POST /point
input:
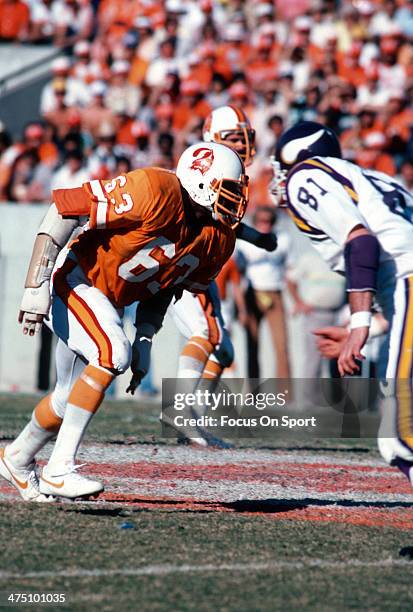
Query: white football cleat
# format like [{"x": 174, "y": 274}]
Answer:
[
  {"x": 68, "y": 483},
  {"x": 25, "y": 480}
]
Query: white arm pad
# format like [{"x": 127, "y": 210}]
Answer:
[
  {"x": 53, "y": 234},
  {"x": 57, "y": 227}
]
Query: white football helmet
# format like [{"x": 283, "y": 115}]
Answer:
[
  {"x": 229, "y": 125},
  {"x": 214, "y": 177}
]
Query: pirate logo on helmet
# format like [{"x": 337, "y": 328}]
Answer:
[{"x": 204, "y": 160}]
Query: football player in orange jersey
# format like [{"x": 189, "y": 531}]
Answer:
[
  {"x": 198, "y": 317},
  {"x": 151, "y": 233}
]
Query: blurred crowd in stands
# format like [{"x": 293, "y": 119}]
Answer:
[{"x": 136, "y": 79}]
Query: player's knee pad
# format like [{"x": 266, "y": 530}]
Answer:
[
  {"x": 122, "y": 356},
  {"x": 201, "y": 331},
  {"x": 117, "y": 360},
  {"x": 224, "y": 352}
]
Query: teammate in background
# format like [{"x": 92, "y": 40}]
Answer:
[
  {"x": 151, "y": 233},
  {"x": 209, "y": 349},
  {"x": 360, "y": 221}
]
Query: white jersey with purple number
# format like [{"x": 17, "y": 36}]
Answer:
[{"x": 327, "y": 197}]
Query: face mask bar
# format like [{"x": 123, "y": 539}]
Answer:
[
  {"x": 278, "y": 183},
  {"x": 247, "y": 135},
  {"x": 231, "y": 201}
]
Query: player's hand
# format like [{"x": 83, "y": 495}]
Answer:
[
  {"x": 134, "y": 383},
  {"x": 268, "y": 241},
  {"x": 141, "y": 359},
  {"x": 351, "y": 351},
  {"x": 32, "y": 323},
  {"x": 34, "y": 308},
  {"x": 331, "y": 340}
]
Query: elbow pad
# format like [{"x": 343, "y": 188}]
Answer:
[
  {"x": 52, "y": 235},
  {"x": 362, "y": 257},
  {"x": 57, "y": 227}
]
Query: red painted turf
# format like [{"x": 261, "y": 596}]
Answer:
[
  {"x": 314, "y": 476},
  {"x": 339, "y": 480}
]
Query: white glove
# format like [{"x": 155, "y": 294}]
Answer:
[
  {"x": 141, "y": 360},
  {"x": 34, "y": 308}
]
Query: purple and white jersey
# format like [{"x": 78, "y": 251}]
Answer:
[{"x": 327, "y": 197}]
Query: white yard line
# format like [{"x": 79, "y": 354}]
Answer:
[
  {"x": 166, "y": 569},
  {"x": 193, "y": 456},
  {"x": 231, "y": 491}
]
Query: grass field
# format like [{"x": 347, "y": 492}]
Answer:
[{"x": 308, "y": 526}]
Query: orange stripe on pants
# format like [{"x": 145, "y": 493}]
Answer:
[{"x": 83, "y": 313}]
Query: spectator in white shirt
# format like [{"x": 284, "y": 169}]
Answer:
[
  {"x": 72, "y": 174},
  {"x": 265, "y": 273}
]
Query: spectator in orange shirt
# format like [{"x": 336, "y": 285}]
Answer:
[
  {"x": 398, "y": 120},
  {"x": 14, "y": 20},
  {"x": 123, "y": 123},
  {"x": 348, "y": 65},
  {"x": 115, "y": 17},
  {"x": 372, "y": 154},
  {"x": 261, "y": 68},
  {"x": 32, "y": 142},
  {"x": 352, "y": 140},
  {"x": 200, "y": 69},
  {"x": 233, "y": 52},
  {"x": 192, "y": 108}
]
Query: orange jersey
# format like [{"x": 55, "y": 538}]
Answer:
[{"x": 140, "y": 239}]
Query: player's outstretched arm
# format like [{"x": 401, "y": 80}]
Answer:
[
  {"x": 267, "y": 241},
  {"x": 149, "y": 320},
  {"x": 53, "y": 234},
  {"x": 362, "y": 255}
]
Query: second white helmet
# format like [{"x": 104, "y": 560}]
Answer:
[
  {"x": 229, "y": 125},
  {"x": 214, "y": 177}
]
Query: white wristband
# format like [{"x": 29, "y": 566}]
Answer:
[{"x": 360, "y": 319}]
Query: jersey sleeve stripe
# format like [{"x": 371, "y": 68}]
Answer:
[
  {"x": 301, "y": 223},
  {"x": 102, "y": 208}
]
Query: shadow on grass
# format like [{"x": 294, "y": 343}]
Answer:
[{"x": 249, "y": 506}]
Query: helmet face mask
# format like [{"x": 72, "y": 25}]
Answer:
[
  {"x": 230, "y": 126},
  {"x": 214, "y": 177},
  {"x": 231, "y": 201},
  {"x": 242, "y": 140}
]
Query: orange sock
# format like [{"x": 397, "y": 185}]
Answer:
[
  {"x": 84, "y": 400},
  {"x": 89, "y": 389},
  {"x": 46, "y": 416},
  {"x": 212, "y": 370},
  {"x": 194, "y": 356}
]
